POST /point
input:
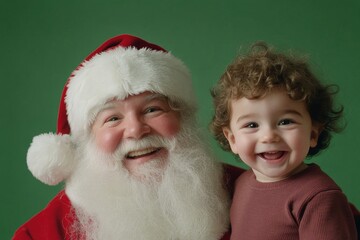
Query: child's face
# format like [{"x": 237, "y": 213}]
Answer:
[{"x": 272, "y": 135}]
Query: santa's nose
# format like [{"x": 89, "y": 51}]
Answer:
[{"x": 135, "y": 127}]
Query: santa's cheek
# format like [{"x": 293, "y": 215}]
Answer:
[
  {"x": 172, "y": 130},
  {"x": 168, "y": 127},
  {"x": 108, "y": 141}
]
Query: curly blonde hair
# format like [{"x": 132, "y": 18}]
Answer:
[{"x": 260, "y": 71}]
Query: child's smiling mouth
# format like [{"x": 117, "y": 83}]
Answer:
[{"x": 273, "y": 155}]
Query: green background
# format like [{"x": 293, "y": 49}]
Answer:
[{"x": 43, "y": 41}]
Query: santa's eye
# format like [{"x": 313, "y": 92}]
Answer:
[
  {"x": 112, "y": 119},
  {"x": 152, "y": 109}
]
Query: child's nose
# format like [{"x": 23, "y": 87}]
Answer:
[
  {"x": 270, "y": 136},
  {"x": 135, "y": 128}
]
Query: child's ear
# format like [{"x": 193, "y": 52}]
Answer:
[
  {"x": 315, "y": 132},
  {"x": 230, "y": 138}
]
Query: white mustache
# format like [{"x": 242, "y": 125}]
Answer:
[{"x": 149, "y": 142}]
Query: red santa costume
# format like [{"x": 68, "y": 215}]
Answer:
[{"x": 103, "y": 201}]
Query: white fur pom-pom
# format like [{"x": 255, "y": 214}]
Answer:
[{"x": 50, "y": 158}]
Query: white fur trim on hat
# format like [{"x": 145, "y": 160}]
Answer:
[
  {"x": 50, "y": 158},
  {"x": 121, "y": 72}
]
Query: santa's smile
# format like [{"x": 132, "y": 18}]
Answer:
[
  {"x": 142, "y": 153},
  {"x": 135, "y": 158}
]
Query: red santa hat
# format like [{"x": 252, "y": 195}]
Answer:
[{"x": 124, "y": 65}]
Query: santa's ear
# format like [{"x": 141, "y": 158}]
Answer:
[{"x": 50, "y": 158}]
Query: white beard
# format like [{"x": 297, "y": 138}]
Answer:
[{"x": 185, "y": 200}]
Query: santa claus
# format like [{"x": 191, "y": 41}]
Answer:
[{"x": 129, "y": 152}]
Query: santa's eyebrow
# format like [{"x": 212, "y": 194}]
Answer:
[
  {"x": 156, "y": 96},
  {"x": 107, "y": 106}
]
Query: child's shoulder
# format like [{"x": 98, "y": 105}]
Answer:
[
  {"x": 316, "y": 178},
  {"x": 311, "y": 182}
]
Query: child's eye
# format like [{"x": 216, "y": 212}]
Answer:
[
  {"x": 286, "y": 122},
  {"x": 251, "y": 125}
]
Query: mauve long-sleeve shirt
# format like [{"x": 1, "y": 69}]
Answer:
[{"x": 306, "y": 206}]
